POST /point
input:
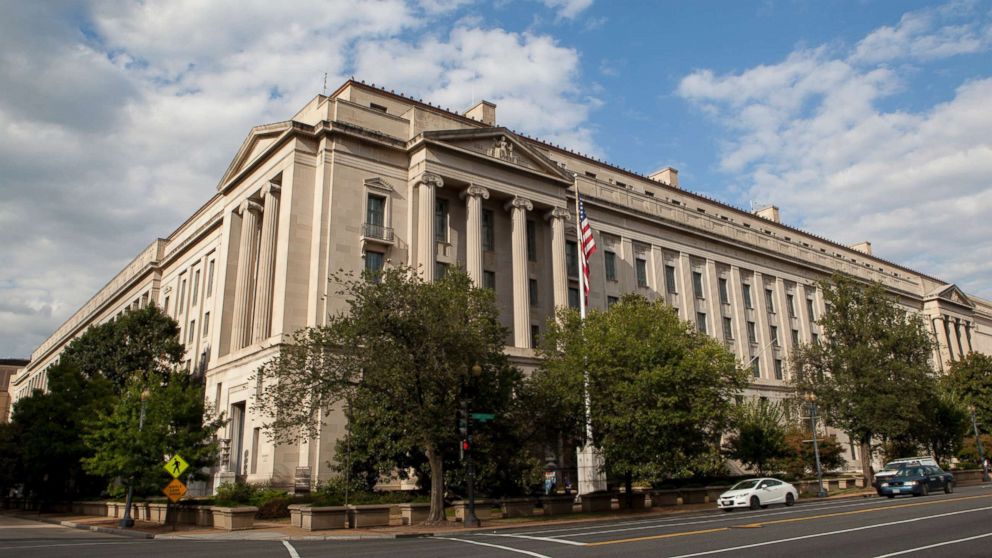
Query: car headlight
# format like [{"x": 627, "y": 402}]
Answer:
[
  {"x": 911, "y": 483},
  {"x": 885, "y": 484}
]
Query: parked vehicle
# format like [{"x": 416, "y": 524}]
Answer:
[
  {"x": 892, "y": 467},
  {"x": 757, "y": 493},
  {"x": 918, "y": 480}
]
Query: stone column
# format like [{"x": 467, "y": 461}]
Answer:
[
  {"x": 262, "y": 323},
  {"x": 739, "y": 314},
  {"x": 473, "y": 231},
  {"x": 426, "y": 244},
  {"x": 245, "y": 282},
  {"x": 687, "y": 299},
  {"x": 714, "y": 309},
  {"x": 764, "y": 350},
  {"x": 805, "y": 320},
  {"x": 559, "y": 216},
  {"x": 947, "y": 337},
  {"x": 957, "y": 336},
  {"x": 518, "y": 208}
]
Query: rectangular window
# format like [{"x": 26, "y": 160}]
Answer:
[
  {"x": 795, "y": 338},
  {"x": 535, "y": 335},
  {"x": 192, "y": 331},
  {"x": 375, "y": 211},
  {"x": 746, "y": 292},
  {"x": 642, "y": 272},
  {"x": 375, "y": 107},
  {"x": 489, "y": 280},
  {"x": 532, "y": 287},
  {"x": 373, "y": 263},
  {"x": 488, "y": 230},
  {"x": 791, "y": 300},
  {"x": 440, "y": 270},
  {"x": 206, "y": 323},
  {"x": 756, "y": 367},
  {"x": 728, "y": 328},
  {"x": 770, "y": 301},
  {"x": 218, "y": 395},
  {"x": 611, "y": 300},
  {"x": 773, "y": 333},
  {"x": 441, "y": 220},
  {"x": 210, "y": 278},
  {"x": 573, "y": 297},
  {"x": 165, "y": 306},
  {"x": 809, "y": 308},
  {"x": 816, "y": 339},
  {"x": 701, "y": 322},
  {"x": 752, "y": 336},
  {"x": 196, "y": 287},
  {"x": 572, "y": 258},
  {"x": 724, "y": 295},
  {"x": 610, "y": 259},
  {"x": 531, "y": 240},
  {"x": 670, "y": 280},
  {"x": 697, "y": 284},
  {"x": 778, "y": 369},
  {"x": 182, "y": 295}
]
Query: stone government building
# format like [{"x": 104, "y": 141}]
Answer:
[{"x": 366, "y": 178}]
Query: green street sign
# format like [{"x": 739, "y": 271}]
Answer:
[
  {"x": 176, "y": 466},
  {"x": 483, "y": 417}
]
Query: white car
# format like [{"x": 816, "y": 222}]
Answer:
[{"x": 757, "y": 493}]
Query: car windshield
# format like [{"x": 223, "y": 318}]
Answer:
[{"x": 744, "y": 485}]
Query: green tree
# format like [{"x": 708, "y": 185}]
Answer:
[
  {"x": 759, "y": 434},
  {"x": 871, "y": 373},
  {"x": 411, "y": 343},
  {"x": 141, "y": 341},
  {"x": 660, "y": 392},
  {"x": 970, "y": 380},
  {"x": 800, "y": 458}
]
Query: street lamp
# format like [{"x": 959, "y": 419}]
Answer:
[
  {"x": 811, "y": 399},
  {"x": 978, "y": 443},
  {"x": 127, "y": 521},
  {"x": 471, "y": 520}
]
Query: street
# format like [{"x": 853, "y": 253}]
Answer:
[{"x": 958, "y": 524}]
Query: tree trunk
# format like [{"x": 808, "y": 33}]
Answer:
[
  {"x": 628, "y": 484},
  {"x": 866, "y": 471},
  {"x": 436, "y": 464}
]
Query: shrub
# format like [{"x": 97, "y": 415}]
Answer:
[{"x": 332, "y": 493}]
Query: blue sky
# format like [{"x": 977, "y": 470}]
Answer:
[{"x": 861, "y": 120}]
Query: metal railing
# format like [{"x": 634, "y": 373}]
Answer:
[{"x": 378, "y": 232}]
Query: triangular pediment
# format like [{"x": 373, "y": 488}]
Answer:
[
  {"x": 951, "y": 293},
  {"x": 501, "y": 145},
  {"x": 259, "y": 140}
]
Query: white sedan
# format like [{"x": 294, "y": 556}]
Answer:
[{"x": 757, "y": 493}]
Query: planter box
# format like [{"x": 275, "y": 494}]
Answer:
[
  {"x": 234, "y": 519},
  {"x": 597, "y": 502},
  {"x": 296, "y": 515},
  {"x": 694, "y": 495},
  {"x": 413, "y": 514},
  {"x": 325, "y": 517},
  {"x": 369, "y": 515},
  {"x": 558, "y": 505},
  {"x": 517, "y": 507},
  {"x": 204, "y": 516},
  {"x": 481, "y": 508},
  {"x": 98, "y": 509},
  {"x": 157, "y": 513},
  {"x": 661, "y": 498},
  {"x": 115, "y": 510},
  {"x": 636, "y": 500}
]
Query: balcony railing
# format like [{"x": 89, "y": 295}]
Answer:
[{"x": 377, "y": 232}]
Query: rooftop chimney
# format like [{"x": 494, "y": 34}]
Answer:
[
  {"x": 484, "y": 112},
  {"x": 863, "y": 247},
  {"x": 667, "y": 175},
  {"x": 769, "y": 212}
]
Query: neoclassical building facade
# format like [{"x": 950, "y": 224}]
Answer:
[{"x": 367, "y": 178}]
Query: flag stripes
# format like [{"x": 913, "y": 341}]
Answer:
[{"x": 588, "y": 245}]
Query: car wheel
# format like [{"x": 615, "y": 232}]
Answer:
[
  {"x": 924, "y": 490},
  {"x": 891, "y": 495},
  {"x": 727, "y": 510},
  {"x": 755, "y": 503},
  {"x": 790, "y": 500},
  {"x": 949, "y": 488}
]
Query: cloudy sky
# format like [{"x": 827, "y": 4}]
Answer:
[{"x": 861, "y": 120}]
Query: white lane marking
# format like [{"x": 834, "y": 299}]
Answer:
[
  {"x": 532, "y": 538},
  {"x": 292, "y": 551},
  {"x": 928, "y": 547},
  {"x": 72, "y": 544},
  {"x": 827, "y": 534},
  {"x": 507, "y": 548}
]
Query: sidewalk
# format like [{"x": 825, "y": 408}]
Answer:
[{"x": 276, "y": 530}]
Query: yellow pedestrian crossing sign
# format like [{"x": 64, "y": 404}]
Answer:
[{"x": 176, "y": 466}]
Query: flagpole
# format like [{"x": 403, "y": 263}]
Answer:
[{"x": 580, "y": 254}]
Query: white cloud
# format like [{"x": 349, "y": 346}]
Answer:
[
  {"x": 923, "y": 35},
  {"x": 568, "y": 9},
  {"x": 809, "y": 135},
  {"x": 118, "y": 118}
]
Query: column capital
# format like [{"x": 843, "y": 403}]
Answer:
[
  {"x": 474, "y": 190},
  {"x": 250, "y": 205},
  {"x": 518, "y": 202},
  {"x": 271, "y": 188},
  {"x": 431, "y": 179},
  {"x": 559, "y": 213}
]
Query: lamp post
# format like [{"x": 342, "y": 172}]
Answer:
[
  {"x": 978, "y": 444},
  {"x": 811, "y": 399},
  {"x": 127, "y": 521},
  {"x": 471, "y": 520}
]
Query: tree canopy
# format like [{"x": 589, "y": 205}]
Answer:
[
  {"x": 970, "y": 380},
  {"x": 758, "y": 436}
]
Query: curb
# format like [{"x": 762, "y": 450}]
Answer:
[{"x": 96, "y": 529}]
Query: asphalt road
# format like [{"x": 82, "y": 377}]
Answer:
[{"x": 958, "y": 525}]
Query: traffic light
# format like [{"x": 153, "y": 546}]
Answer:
[{"x": 463, "y": 420}]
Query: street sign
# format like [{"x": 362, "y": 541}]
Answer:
[
  {"x": 483, "y": 417},
  {"x": 175, "y": 490},
  {"x": 176, "y": 466}
]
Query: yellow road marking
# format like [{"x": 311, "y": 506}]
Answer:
[{"x": 762, "y": 524}]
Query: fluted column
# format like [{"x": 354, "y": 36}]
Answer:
[
  {"x": 262, "y": 322},
  {"x": 947, "y": 337},
  {"x": 473, "y": 231},
  {"x": 518, "y": 208},
  {"x": 739, "y": 314},
  {"x": 245, "y": 282},
  {"x": 426, "y": 243},
  {"x": 559, "y": 264}
]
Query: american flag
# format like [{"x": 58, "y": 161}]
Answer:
[{"x": 588, "y": 245}]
